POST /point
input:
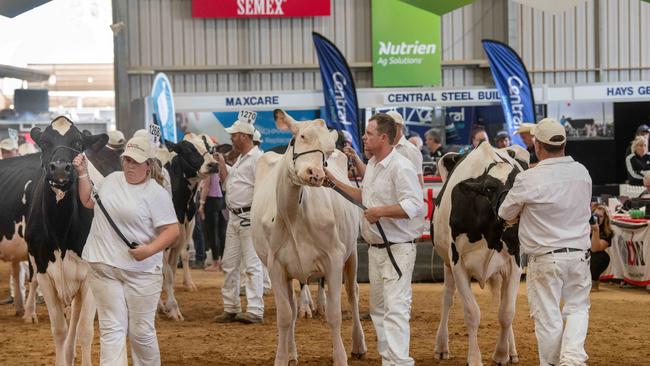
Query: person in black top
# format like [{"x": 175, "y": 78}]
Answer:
[
  {"x": 434, "y": 144},
  {"x": 642, "y": 130},
  {"x": 638, "y": 162},
  {"x": 601, "y": 239}
]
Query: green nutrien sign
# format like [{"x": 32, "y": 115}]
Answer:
[{"x": 405, "y": 45}]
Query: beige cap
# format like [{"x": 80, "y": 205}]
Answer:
[
  {"x": 138, "y": 149},
  {"x": 26, "y": 149},
  {"x": 525, "y": 127},
  {"x": 257, "y": 136},
  {"x": 396, "y": 116},
  {"x": 547, "y": 129},
  {"x": 141, "y": 133},
  {"x": 243, "y": 127},
  {"x": 115, "y": 138},
  {"x": 8, "y": 144}
]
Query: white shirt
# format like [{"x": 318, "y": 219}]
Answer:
[
  {"x": 410, "y": 152},
  {"x": 241, "y": 180},
  {"x": 137, "y": 210},
  {"x": 389, "y": 182},
  {"x": 553, "y": 199}
]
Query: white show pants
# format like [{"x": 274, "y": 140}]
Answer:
[
  {"x": 24, "y": 272},
  {"x": 239, "y": 246},
  {"x": 553, "y": 278},
  {"x": 126, "y": 304},
  {"x": 390, "y": 302}
]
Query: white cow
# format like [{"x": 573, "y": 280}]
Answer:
[
  {"x": 474, "y": 243},
  {"x": 302, "y": 230}
]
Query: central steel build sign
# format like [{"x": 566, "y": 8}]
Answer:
[{"x": 406, "y": 45}]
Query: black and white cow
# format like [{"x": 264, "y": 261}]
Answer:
[
  {"x": 56, "y": 231},
  {"x": 189, "y": 162},
  {"x": 475, "y": 243}
]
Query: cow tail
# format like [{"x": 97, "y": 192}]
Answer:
[
  {"x": 494, "y": 284},
  {"x": 31, "y": 270}
]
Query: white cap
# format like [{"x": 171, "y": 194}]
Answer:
[
  {"x": 26, "y": 149},
  {"x": 138, "y": 149},
  {"x": 257, "y": 136},
  {"x": 547, "y": 129},
  {"x": 115, "y": 138},
  {"x": 244, "y": 123},
  {"x": 525, "y": 127},
  {"x": 396, "y": 116},
  {"x": 8, "y": 144},
  {"x": 141, "y": 133}
]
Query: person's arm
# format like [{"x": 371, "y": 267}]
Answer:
[
  {"x": 409, "y": 196},
  {"x": 633, "y": 167},
  {"x": 353, "y": 192},
  {"x": 514, "y": 201},
  {"x": 84, "y": 186},
  {"x": 597, "y": 244},
  {"x": 223, "y": 168},
  {"x": 167, "y": 235}
]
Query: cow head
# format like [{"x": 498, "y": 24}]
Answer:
[
  {"x": 60, "y": 142},
  {"x": 475, "y": 187},
  {"x": 195, "y": 153},
  {"x": 311, "y": 146}
]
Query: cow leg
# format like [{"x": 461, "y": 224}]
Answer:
[
  {"x": 321, "y": 298},
  {"x": 352, "y": 288},
  {"x": 71, "y": 337},
  {"x": 505, "y": 343},
  {"x": 85, "y": 327},
  {"x": 56, "y": 311},
  {"x": 441, "y": 351},
  {"x": 306, "y": 303},
  {"x": 185, "y": 258},
  {"x": 30, "y": 306},
  {"x": 281, "y": 290},
  {"x": 333, "y": 314},
  {"x": 471, "y": 311},
  {"x": 171, "y": 305},
  {"x": 17, "y": 277}
]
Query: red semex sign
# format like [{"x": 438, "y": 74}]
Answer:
[{"x": 259, "y": 8}]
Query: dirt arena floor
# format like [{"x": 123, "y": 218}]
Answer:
[{"x": 618, "y": 332}]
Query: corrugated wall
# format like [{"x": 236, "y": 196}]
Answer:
[{"x": 600, "y": 40}]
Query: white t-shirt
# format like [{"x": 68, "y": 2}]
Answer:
[{"x": 137, "y": 210}]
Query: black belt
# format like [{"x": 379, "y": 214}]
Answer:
[
  {"x": 384, "y": 245},
  {"x": 239, "y": 211},
  {"x": 564, "y": 250}
]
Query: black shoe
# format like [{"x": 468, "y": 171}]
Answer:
[
  {"x": 197, "y": 264},
  {"x": 248, "y": 318},
  {"x": 7, "y": 301},
  {"x": 40, "y": 300}
]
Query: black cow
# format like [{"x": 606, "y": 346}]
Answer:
[
  {"x": 475, "y": 243},
  {"x": 190, "y": 161},
  {"x": 56, "y": 231}
]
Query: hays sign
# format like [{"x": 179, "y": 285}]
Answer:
[{"x": 259, "y": 8}]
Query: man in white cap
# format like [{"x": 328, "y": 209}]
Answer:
[
  {"x": 524, "y": 131},
  {"x": 239, "y": 180},
  {"x": 552, "y": 202},
  {"x": 257, "y": 138},
  {"x": 8, "y": 148}
]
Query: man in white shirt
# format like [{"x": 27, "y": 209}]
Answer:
[
  {"x": 392, "y": 192},
  {"x": 552, "y": 200},
  {"x": 239, "y": 180}
]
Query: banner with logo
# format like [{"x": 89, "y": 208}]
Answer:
[
  {"x": 259, "y": 8},
  {"x": 163, "y": 108},
  {"x": 513, "y": 83},
  {"x": 341, "y": 105},
  {"x": 406, "y": 47},
  {"x": 630, "y": 254}
]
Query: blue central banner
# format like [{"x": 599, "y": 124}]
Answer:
[
  {"x": 513, "y": 83},
  {"x": 341, "y": 105}
]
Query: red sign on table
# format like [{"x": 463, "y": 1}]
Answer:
[{"x": 259, "y": 8}]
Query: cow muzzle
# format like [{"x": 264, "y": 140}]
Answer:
[
  {"x": 60, "y": 174},
  {"x": 312, "y": 176}
]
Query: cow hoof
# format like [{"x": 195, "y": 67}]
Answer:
[
  {"x": 191, "y": 287},
  {"x": 514, "y": 359},
  {"x": 175, "y": 315},
  {"x": 30, "y": 319},
  {"x": 20, "y": 313},
  {"x": 358, "y": 356},
  {"x": 320, "y": 310},
  {"x": 304, "y": 314},
  {"x": 346, "y": 315},
  {"x": 441, "y": 355},
  {"x": 293, "y": 363}
]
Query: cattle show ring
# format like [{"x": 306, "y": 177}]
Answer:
[{"x": 325, "y": 182}]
